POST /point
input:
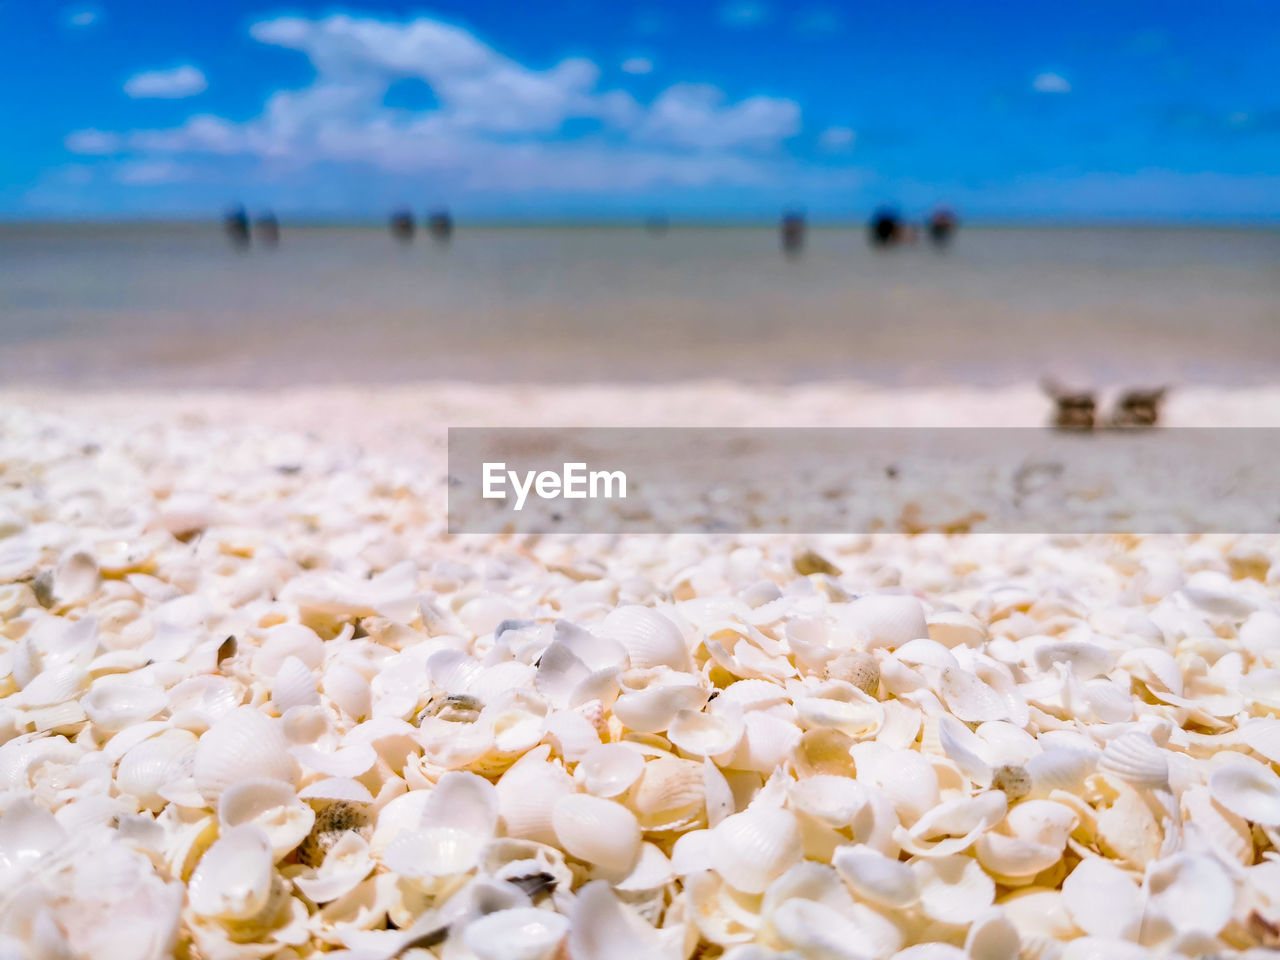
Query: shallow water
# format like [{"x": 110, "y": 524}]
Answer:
[{"x": 174, "y": 305}]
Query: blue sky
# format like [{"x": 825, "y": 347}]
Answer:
[{"x": 1088, "y": 110}]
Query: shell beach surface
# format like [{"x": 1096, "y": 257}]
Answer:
[{"x": 256, "y": 703}]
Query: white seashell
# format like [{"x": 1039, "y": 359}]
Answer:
[
  {"x": 75, "y": 577},
  {"x": 198, "y": 702},
  {"x": 650, "y": 639},
  {"x": 1059, "y": 768},
  {"x": 1103, "y": 901},
  {"x": 814, "y": 929},
  {"x": 956, "y": 629},
  {"x": 887, "y": 620},
  {"x": 1260, "y": 635},
  {"x": 719, "y": 795},
  {"x": 954, "y": 825},
  {"x": 343, "y": 789},
  {"x": 1193, "y": 894},
  {"x": 907, "y": 779},
  {"x": 345, "y": 865},
  {"x": 833, "y": 801},
  {"x": 293, "y": 686},
  {"x": 521, "y": 933},
  {"x": 53, "y": 686},
  {"x": 992, "y": 937},
  {"x": 1030, "y": 840},
  {"x": 348, "y": 689},
  {"x": 1262, "y": 735},
  {"x": 953, "y": 889},
  {"x": 1135, "y": 759},
  {"x": 702, "y": 733},
  {"x": 651, "y": 698},
  {"x": 751, "y": 849},
  {"x": 244, "y": 744},
  {"x": 873, "y": 876},
  {"x": 603, "y": 929},
  {"x": 768, "y": 742},
  {"x": 154, "y": 764},
  {"x": 528, "y": 793},
  {"x": 969, "y": 698},
  {"x": 287, "y": 640},
  {"x": 669, "y": 795},
  {"x": 234, "y": 878},
  {"x": 609, "y": 769},
  {"x": 273, "y": 806},
  {"x": 1248, "y": 790},
  {"x": 597, "y": 831},
  {"x": 349, "y": 761},
  {"x": 1220, "y": 830}
]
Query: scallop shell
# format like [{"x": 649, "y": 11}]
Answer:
[
  {"x": 1249, "y": 791},
  {"x": 1135, "y": 759},
  {"x": 244, "y": 744},
  {"x": 154, "y": 764},
  {"x": 598, "y": 831},
  {"x": 751, "y": 849},
  {"x": 273, "y": 806},
  {"x": 650, "y": 639}
]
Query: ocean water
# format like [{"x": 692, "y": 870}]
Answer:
[{"x": 142, "y": 306}]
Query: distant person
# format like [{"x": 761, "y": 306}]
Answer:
[
  {"x": 792, "y": 231},
  {"x": 942, "y": 227},
  {"x": 440, "y": 225},
  {"x": 1073, "y": 409},
  {"x": 402, "y": 225},
  {"x": 1138, "y": 408},
  {"x": 236, "y": 226},
  {"x": 267, "y": 230},
  {"x": 886, "y": 229}
]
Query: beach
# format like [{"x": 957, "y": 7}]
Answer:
[{"x": 286, "y": 713}]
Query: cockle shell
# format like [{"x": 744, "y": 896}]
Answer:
[
  {"x": 669, "y": 795},
  {"x": 650, "y": 639},
  {"x": 243, "y": 744},
  {"x": 528, "y": 793},
  {"x": 887, "y": 620},
  {"x": 234, "y": 879},
  {"x": 1103, "y": 901},
  {"x": 873, "y": 876},
  {"x": 1135, "y": 759},
  {"x": 752, "y": 848},
  {"x": 704, "y": 733},
  {"x": 293, "y": 686},
  {"x": 146, "y": 770},
  {"x": 953, "y": 889}
]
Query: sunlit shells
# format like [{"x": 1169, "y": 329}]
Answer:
[
  {"x": 1249, "y": 791},
  {"x": 752, "y": 848}
]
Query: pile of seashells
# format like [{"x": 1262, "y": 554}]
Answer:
[{"x": 254, "y": 704}]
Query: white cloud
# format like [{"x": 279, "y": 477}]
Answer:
[
  {"x": 744, "y": 13},
  {"x": 837, "y": 139},
  {"x": 497, "y": 124},
  {"x": 1050, "y": 83},
  {"x": 93, "y": 142},
  {"x": 694, "y": 115},
  {"x": 184, "y": 81},
  {"x": 637, "y": 65},
  {"x": 151, "y": 172},
  {"x": 81, "y": 17}
]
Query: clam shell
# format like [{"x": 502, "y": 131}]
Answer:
[
  {"x": 702, "y": 733},
  {"x": 1193, "y": 894},
  {"x": 234, "y": 878},
  {"x": 609, "y": 769},
  {"x": 154, "y": 764},
  {"x": 244, "y": 744},
  {"x": 597, "y": 831},
  {"x": 293, "y": 686},
  {"x": 345, "y": 865},
  {"x": 669, "y": 795}
]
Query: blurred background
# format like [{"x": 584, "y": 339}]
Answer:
[{"x": 240, "y": 193}]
